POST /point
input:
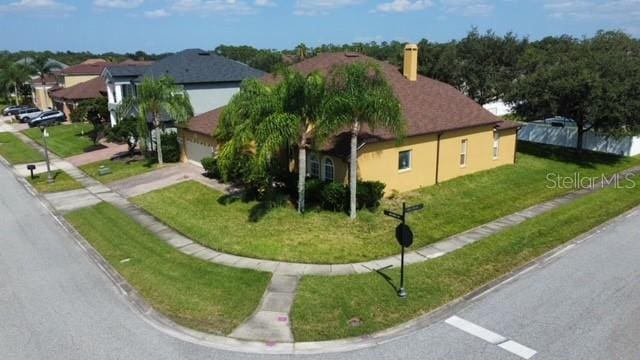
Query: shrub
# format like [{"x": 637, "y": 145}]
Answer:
[
  {"x": 170, "y": 147},
  {"x": 313, "y": 191},
  {"x": 334, "y": 195},
  {"x": 210, "y": 165},
  {"x": 369, "y": 194}
]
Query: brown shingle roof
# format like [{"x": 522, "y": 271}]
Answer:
[
  {"x": 93, "y": 68},
  {"x": 205, "y": 123},
  {"x": 429, "y": 106},
  {"x": 91, "y": 89}
]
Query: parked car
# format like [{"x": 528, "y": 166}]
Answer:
[
  {"x": 48, "y": 118},
  {"x": 13, "y": 109},
  {"x": 25, "y": 115}
]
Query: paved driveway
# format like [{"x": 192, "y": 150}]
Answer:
[{"x": 56, "y": 304}]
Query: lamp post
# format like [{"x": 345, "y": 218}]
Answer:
[{"x": 43, "y": 129}]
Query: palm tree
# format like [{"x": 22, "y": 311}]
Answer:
[
  {"x": 41, "y": 66},
  {"x": 274, "y": 119},
  {"x": 156, "y": 98},
  {"x": 358, "y": 94},
  {"x": 15, "y": 74},
  {"x": 301, "y": 51}
]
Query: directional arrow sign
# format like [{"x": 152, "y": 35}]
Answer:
[
  {"x": 414, "y": 208},
  {"x": 393, "y": 215}
]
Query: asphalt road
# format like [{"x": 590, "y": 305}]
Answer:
[{"x": 55, "y": 303}]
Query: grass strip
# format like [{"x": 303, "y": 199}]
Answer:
[
  {"x": 120, "y": 169},
  {"x": 65, "y": 140},
  {"x": 17, "y": 152},
  {"x": 324, "y": 305},
  {"x": 192, "y": 292},
  {"x": 63, "y": 182}
]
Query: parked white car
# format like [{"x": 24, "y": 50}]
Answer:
[{"x": 25, "y": 115}]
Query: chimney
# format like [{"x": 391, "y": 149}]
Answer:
[{"x": 410, "y": 70}]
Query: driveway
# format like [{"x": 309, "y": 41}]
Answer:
[{"x": 57, "y": 304}]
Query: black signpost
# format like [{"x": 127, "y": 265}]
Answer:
[{"x": 404, "y": 235}]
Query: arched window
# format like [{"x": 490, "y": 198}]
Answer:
[
  {"x": 314, "y": 165},
  {"x": 328, "y": 169}
]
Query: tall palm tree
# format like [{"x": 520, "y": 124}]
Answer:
[
  {"x": 358, "y": 94},
  {"x": 42, "y": 67},
  {"x": 15, "y": 74},
  {"x": 157, "y": 98},
  {"x": 274, "y": 119}
]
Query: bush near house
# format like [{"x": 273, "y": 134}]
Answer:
[
  {"x": 210, "y": 165},
  {"x": 335, "y": 196},
  {"x": 170, "y": 147}
]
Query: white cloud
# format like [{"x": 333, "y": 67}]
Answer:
[
  {"x": 37, "y": 6},
  {"x": 265, "y": 3},
  {"x": 627, "y": 11},
  {"x": 399, "y": 6},
  {"x": 321, "y": 7},
  {"x": 158, "y": 13},
  {"x": 204, "y": 7},
  {"x": 470, "y": 8},
  {"x": 118, "y": 4}
]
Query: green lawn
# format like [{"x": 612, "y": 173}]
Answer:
[
  {"x": 63, "y": 182},
  {"x": 17, "y": 152},
  {"x": 324, "y": 237},
  {"x": 65, "y": 140},
  {"x": 192, "y": 292},
  {"x": 120, "y": 169},
  {"x": 318, "y": 316}
]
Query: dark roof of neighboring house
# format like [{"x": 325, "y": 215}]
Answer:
[
  {"x": 429, "y": 106},
  {"x": 128, "y": 68},
  {"x": 198, "y": 66},
  {"x": 93, "y": 68},
  {"x": 91, "y": 89},
  {"x": 205, "y": 123}
]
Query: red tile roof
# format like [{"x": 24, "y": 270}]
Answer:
[
  {"x": 93, "y": 68},
  {"x": 91, "y": 89},
  {"x": 429, "y": 106}
]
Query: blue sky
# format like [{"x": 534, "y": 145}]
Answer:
[{"x": 171, "y": 25}]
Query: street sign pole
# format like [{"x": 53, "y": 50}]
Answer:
[
  {"x": 404, "y": 235},
  {"x": 402, "y": 292},
  {"x": 46, "y": 153}
]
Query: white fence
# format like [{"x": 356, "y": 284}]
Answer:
[{"x": 567, "y": 136}]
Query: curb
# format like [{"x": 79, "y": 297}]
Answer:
[{"x": 167, "y": 326}]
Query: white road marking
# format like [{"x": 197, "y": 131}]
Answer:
[
  {"x": 475, "y": 330},
  {"x": 518, "y": 349},
  {"x": 491, "y": 337}
]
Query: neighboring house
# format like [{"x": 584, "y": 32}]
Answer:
[
  {"x": 66, "y": 99},
  {"x": 563, "y": 132},
  {"x": 77, "y": 83},
  {"x": 448, "y": 134},
  {"x": 210, "y": 81}
]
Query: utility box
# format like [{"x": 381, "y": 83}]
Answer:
[{"x": 103, "y": 170}]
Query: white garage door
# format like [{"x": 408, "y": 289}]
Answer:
[{"x": 195, "y": 152}]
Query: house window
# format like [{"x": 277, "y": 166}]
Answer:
[
  {"x": 328, "y": 169},
  {"x": 314, "y": 165},
  {"x": 463, "y": 152},
  {"x": 404, "y": 160},
  {"x": 496, "y": 145}
]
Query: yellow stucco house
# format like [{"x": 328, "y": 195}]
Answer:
[{"x": 448, "y": 134}]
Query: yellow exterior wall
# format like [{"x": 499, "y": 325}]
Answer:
[
  {"x": 42, "y": 99},
  {"x": 479, "y": 151},
  {"x": 379, "y": 162},
  {"x": 70, "y": 80}
]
